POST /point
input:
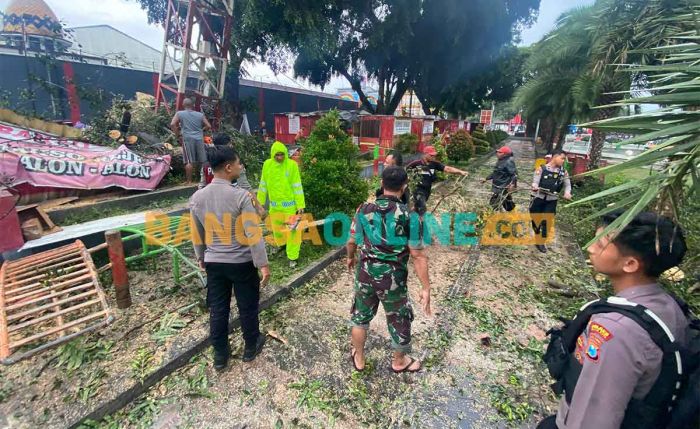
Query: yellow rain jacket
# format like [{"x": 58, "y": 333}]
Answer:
[{"x": 281, "y": 183}]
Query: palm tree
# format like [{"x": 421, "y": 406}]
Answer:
[
  {"x": 580, "y": 64},
  {"x": 673, "y": 80},
  {"x": 561, "y": 85}
]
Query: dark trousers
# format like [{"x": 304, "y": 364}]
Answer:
[
  {"x": 538, "y": 206},
  {"x": 420, "y": 201},
  {"x": 502, "y": 198},
  {"x": 244, "y": 281},
  {"x": 548, "y": 423}
]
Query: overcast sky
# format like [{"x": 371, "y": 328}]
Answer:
[{"x": 128, "y": 17}]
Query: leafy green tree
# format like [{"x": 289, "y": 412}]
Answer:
[
  {"x": 405, "y": 43},
  {"x": 559, "y": 85},
  {"x": 496, "y": 80},
  {"x": 330, "y": 171}
]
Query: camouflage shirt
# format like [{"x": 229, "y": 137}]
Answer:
[{"x": 384, "y": 231}]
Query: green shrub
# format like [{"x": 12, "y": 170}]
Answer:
[
  {"x": 252, "y": 150},
  {"x": 491, "y": 138},
  {"x": 481, "y": 150},
  {"x": 408, "y": 143},
  {"x": 478, "y": 133},
  {"x": 461, "y": 147},
  {"x": 330, "y": 172},
  {"x": 480, "y": 139},
  {"x": 436, "y": 142},
  {"x": 501, "y": 135}
]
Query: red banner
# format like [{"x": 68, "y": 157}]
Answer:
[{"x": 44, "y": 160}]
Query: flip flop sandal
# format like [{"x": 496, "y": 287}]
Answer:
[
  {"x": 353, "y": 352},
  {"x": 405, "y": 369}
]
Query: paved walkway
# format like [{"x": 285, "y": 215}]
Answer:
[{"x": 481, "y": 350}]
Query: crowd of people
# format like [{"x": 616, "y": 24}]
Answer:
[{"x": 614, "y": 363}]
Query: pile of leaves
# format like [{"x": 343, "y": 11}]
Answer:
[
  {"x": 330, "y": 171},
  {"x": 144, "y": 119},
  {"x": 461, "y": 147}
]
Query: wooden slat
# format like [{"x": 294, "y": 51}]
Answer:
[
  {"x": 43, "y": 307},
  {"x": 52, "y": 331},
  {"x": 97, "y": 248},
  {"x": 15, "y": 328},
  {"x": 39, "y": 285},
  {"x": 41, "y": 261},
  {"x": 39, "y": 300},
  {"x": 48, "y": 255},
  {"x": 15, "y": 316},
  {"x": 22, "y": 278},
  {"x": 100, "y": 292}
]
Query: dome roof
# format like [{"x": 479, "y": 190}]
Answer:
[{"x": 39, "y": 19}]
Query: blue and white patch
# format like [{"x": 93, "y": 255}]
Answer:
[{"x": 593, "y": 352}]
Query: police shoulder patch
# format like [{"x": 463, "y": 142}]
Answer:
[
  {"x": 593, "y": 352},
  {"x": 597, "y": 336},
  {"x": 600, "y": 330}
]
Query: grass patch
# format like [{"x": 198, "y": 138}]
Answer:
[{"x": 93, "y": 213}]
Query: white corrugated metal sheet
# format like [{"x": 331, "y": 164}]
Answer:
[{"x": 118, "y": 48}]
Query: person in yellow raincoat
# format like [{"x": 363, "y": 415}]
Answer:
[{"x": 281, "y": 183}]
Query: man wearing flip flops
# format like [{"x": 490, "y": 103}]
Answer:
[{"x": 386, "y": 243}]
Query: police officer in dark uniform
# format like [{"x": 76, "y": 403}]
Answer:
[
  {"x": 548, "y": 182},
  {"x": 616, "y": 375}
]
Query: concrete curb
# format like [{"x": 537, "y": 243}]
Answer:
[{"x": 122, "y": 399}]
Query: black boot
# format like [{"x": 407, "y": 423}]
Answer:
[
  {"x": 251, "y": 352},
  {"x": 221, "y": 359},
  {"x": 541, "y": 248}
]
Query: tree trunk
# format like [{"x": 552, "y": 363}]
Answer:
[
  {"x": 598, "y": 139},
  {"x": 232, "y": 94},
  {"x": 547, "y": 133},
  {"x": 561, "y": 138},
  {"x": 393, "y": 104},
  {"x": 555, "y": 138},
  {"x": 357, "y": 87}
]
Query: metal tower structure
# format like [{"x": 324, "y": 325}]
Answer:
[{"x": 195, "y": 53}]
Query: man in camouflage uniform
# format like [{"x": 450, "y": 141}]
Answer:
[{"x": 386, "y": 240}]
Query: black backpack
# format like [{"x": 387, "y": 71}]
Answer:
[{"x": 673, "y": 401}]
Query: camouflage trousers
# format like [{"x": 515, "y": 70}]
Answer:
[{"x": 377, "y": 282}]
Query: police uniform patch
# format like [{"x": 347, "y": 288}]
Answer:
[
  {"x": 593, "y": 352},
  {"x": 579, "y": 357},
  {"x": 602, "y": 331},
  {"x": 597, "y": 335}
]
